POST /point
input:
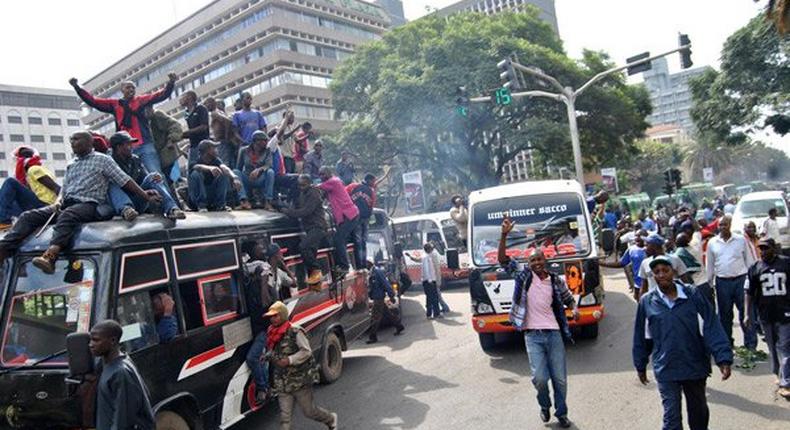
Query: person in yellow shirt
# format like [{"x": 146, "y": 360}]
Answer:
[{"x": 33, "y": 187}]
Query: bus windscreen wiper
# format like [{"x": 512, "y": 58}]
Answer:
[{"x": 33, "y": 364}]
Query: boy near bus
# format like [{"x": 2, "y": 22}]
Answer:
[
  {"x": 122, "y": 399},
  {"x": 668, "y": 327},
  {"x": 294, "y": 369}
]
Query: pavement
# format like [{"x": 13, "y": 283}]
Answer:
[{"x": 435, "y": 376}]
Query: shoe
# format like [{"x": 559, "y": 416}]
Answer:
[
  {"x": 315, "y": 277},
  {"x": 545, "y": 415},
  {"x": 333, "y": 425},
  {"x": 564, "y": 422},
  {"x": 399, "y": 330},
  {"x": 129, "y": 214},
  {"x": 202, "y": 210},
  {"x": 371, "y": 340},
  {"x": 5, "y": 226},
  {"x": 268, "y": 207},
  {"x": 261, "y": 396},
  {"x": 784, "y": 392},
  {"x": 245, "y": 205},
  {"x": 175, "y": 214},
  {"x": 46, "y": 262}
]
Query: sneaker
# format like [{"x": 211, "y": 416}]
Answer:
[
  {"x": 564, "y": 422},
  {"x": 202, "y": 210},
  {"x": 5, "y": 226},
  {"x": 175, "y": 214},
  {"x": 315, "y": 277},
  {"x": 784, "y": 392},
  {"x": 333, "y": 425},
  {"x": 129, "y": 214},
  {"x": 545, "y": 415}
]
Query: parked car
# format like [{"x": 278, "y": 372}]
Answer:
[{"x": 755, "y": 206}]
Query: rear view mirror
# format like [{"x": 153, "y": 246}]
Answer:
[
  {"x": 607, "y": 240},
  {"x": 452, "y": 259},
  {"x": 80, "y": 357}
]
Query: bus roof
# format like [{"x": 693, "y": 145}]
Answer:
[
  {"x": 525, "y": 188},
  {"x": 156, "y": 229},
  {"x": 433, "y": 216}
]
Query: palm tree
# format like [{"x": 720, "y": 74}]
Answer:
[{"x": 705, "y": 151}]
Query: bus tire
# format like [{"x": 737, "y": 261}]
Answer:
[
  {"x": 169, "y": 420},
  {"x": 590, "y": 331},
  {"x": 331, "y": 365},
  {"x": 487, "y": 341}
]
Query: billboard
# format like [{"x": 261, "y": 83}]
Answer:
[
  {"x": 413, "y": 191},
  {"x": 609, "y": 179}
]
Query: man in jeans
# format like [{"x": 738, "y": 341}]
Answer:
[
  {"x": 430, "y": 281},
  {"x": 728, "y": 260},
  {"x": 345, "y": 213},
  {"x": 542, "y": 295},
  {"x": 33, "y": 187}
]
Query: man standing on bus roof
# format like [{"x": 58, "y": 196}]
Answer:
[
  {"x": 122, "y": 400},
  {"x": 309, "y": 208},
  {"x": 85, "y": 187},
  {"x": 460, "y": 215},
  {"x": 295, "y": 369},
  {"x": 539, "y": 300},
  {"x": 345, "y": 213}
]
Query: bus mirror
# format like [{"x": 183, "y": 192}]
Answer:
[
  {"x": 452, "y": 259},
  {"x": 80, "y": 358},
  {"x": 607, "y": 240}
]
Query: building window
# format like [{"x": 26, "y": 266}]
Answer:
[
  {"x": 73, "y": 122},
  {"x": 17, "y": 138},
  {"x": 36, "y": 138},
  {"x": 1, "y": 138},
  {"x": 2, "y": 155},
  {"x": 54, "y": 121},
  {"x": 60, "y": 173},
  {"x": 56, "y": 139},
  {"x": 3, "y": 174},
  {"x": 58, "y": 155},
  {"x": 34, "y": 120},
  {"x": 13, "y": 119}
]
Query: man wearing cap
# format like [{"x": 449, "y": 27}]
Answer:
[
  {"x": 767, "y": 292},
  {"x": 209, "y": 180},
  {"x": 378, "y": 288},
  {"x": 345, "y": 168},
  {"x": 654, "y": 246},
  {"x": 691, "y": 258},
  {"x": 728, "y": 260},
  {"x": 313, "y": 161},
  {"x": 309, "y": 208},
  {"x": 85, "y": 187},
  {"x": 678, "y": 328},
  {"x": 129, "y": 206},
  {"x": 295, "y": 369}
]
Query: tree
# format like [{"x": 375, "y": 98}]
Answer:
[
  {"x": 407, "y": 81},
  {"x": 646, "y": 167}
]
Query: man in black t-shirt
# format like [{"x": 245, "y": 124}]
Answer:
[
  {"x": 197, "y": 123},
  {"x": 768, "y": 290}
]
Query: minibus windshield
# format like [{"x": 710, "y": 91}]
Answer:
[{"x": 555, "y": 223}]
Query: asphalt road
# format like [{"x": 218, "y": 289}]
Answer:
[{"x": 435, "y": 376}]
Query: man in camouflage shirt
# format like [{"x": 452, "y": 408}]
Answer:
[{"x": 294, "y": 369}]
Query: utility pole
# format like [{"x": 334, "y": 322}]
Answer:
[{"x": 568, "y": 95}]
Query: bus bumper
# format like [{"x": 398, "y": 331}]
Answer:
[{"x": 499, "y": 323}]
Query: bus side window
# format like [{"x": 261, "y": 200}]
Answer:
[{"x": 210, "y": 300}]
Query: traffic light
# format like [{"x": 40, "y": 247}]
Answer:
[
  {"x": 462, "y": 101},
  {"x": 685, "y": 55},
  {"x": 669, "y": 182},
  {"x": 677, "y": 177},
  {"x": 508, "y": 74},
  {"x": 502, "y": 96}
]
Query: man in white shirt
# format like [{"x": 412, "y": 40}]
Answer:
[
  {"x": 460, "y": 215},
  {"x": 727, "y": 261},
  {"x": 654, "y": 246},
  {"x": 770, "y": 227},
  {"x": 430, "y": 280}
]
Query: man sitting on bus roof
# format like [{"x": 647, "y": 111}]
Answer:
[
  {"x": 85, "y": 187},
  {"x": 309, "y": 208},
  {"x": 209, "y": 179}
]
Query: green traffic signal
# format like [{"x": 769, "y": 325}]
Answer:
[
  {"x": 503, "y": 97},
  {"x": 462, "y": 110}
]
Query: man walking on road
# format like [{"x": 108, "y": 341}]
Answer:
[
  {"x": 538, "y": 311},
  {"x": 294, "y": 369},
  {"x": 430, "y": 281},
  {"x": 727, "y": 261},
  {"x": 768, "y": 292},
  {"x": 379, "y": 288}
]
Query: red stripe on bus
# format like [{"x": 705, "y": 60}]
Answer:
[
  {"x": 314, "y": 310},
  {"x": 205, "y": 356}
]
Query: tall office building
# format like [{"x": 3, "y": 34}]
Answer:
[
  {"x": 281, "y": 51},
  {"x": 547, "y": 11},
  {"x": 394, "y": 9},
  {"x": 39, "y": 117},
  {"x": 670, "y": 95}
]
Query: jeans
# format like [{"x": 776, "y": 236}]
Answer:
[
  {"x": 431, "y": 299},
  {"x": 547, "y": 361},
  {"x": 211, "y": 195},
  {"x": 442, "y": 304},
  {"x": 777, "y": 336},
  {"x": 304, "y": 397},
  {"x": 264, "y": 182},
  {"x": 259, "y": 368},
  {"x": 120, "y": 199},
  {"x": 149, "y": 157},
  {"x": 193, "y": 155},
  {"x": 361, "y": 242},
  {"x": 16, "y": 198},
  {"x": 308, "y": 247},
  {"x": 228, "y": 153},
  {"x": 70, "y": 216},
  {"x": 696, "y": 404},
  {"x": 729, "y": 292},
  {"x": 342, "y": 233}
]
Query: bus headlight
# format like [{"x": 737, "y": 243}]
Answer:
[
  {"x": 484, "y": 308},
  {"x": 587, "y": 300}
]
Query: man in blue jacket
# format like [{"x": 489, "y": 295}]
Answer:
[
  {"x": 379, "y": 287},
  {"x": 668, "y": 326}
]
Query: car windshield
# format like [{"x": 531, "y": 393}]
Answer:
[
  {"x": 553, "y": 222},
  {"x": 759, "y": 208},
  {"x": 377, "y": 246},
  {"x": 45, "y": 308}
]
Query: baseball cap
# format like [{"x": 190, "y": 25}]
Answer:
[
  {"x": 259, "y": 135},
  {"x": 660, "y": 259},
  {"x": 205, "y": 144},
  {"x": 272, "y": 250},
  {"x": 277, "y": 308},
  {"x": 766, "y": 242},
  {"x": 654, "y": 239},
  {"x": 122, "y": 137}
]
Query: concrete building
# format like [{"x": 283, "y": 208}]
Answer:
[
  {"x": 394, "y": 9},
  {"x": 667, "y": 133},
  {"x": 281, "y": 51},
  {"x": 670, "y": 95},
  {"x": 39, "y": 117},
  {"x": 547, "y": 10}
]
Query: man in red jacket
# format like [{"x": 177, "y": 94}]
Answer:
[{"x": 130, "y": 116}]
